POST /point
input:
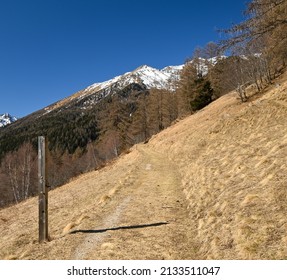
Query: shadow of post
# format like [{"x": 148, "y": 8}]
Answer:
[{"x": 118, "y": 228}]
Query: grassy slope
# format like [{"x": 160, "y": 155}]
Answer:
[
  {"x": 229, "y": 161},
  {"x": 232, "y": 158}
]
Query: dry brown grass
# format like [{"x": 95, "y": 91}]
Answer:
[
  {"x": 232, "y": 158},
  {"x": 217, "y": 178},
  {"x": 72, "y": 225}
]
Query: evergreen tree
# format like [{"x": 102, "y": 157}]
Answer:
[{"x": 203, "y": 96}]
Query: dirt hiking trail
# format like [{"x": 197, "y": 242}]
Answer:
[
  {"x": 147, "y": 219},
  {"x": 136, "y": 210}
]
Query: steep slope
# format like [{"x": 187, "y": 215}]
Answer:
[
  {"x": 212, "y": 186},
  {"x": 232, "y": 160}
]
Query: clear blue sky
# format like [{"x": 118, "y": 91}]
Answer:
[{"x": 53, "y": 48}]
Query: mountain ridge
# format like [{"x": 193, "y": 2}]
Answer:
[
  {"x": 146, "y": 75},
  {"x": 150, "y": 77}
]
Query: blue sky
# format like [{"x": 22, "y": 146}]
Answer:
[{"x": 51, "y": 49}]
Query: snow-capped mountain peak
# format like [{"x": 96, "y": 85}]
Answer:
[
  {"x": 6, "y": 119},
  {"x": 146, "y": 76},
  {"x": 149, "y": 76}
]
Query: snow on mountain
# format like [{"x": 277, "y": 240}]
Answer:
[
  {"x": 6, "y": 119},
  {"x": 203, "y": 64},
  {"x": 144, "y": 75},
  {"x": 172, "y": 70},
  {"x": 149, "y": 76}
]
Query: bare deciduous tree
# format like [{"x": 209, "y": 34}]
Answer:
[
  {"x": 265, "y": 26},
  {"x": 21, "y": 170}
]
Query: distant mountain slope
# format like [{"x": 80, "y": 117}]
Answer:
[
  {"x": 84, "y": 107},
  {"x": 89, "y": 128},
  {"x": 146, "y": 76},
  {"x": 229, "y": 161},
  {"x": 6, "y": 119},
  {"x": 151, "y": 77}
]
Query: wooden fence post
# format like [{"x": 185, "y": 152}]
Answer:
[{"x": 43, "y": 190}]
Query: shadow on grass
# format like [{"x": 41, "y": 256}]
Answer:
[{"x": 118, "y": 228}]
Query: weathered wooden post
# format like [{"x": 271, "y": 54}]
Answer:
[{"x": 43, "y": 190}]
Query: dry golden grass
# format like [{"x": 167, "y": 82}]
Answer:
[
  {"x": 212, "y": 186},
  {"x": 72, "y": 225},
  {"x": 232, "y": 158}
]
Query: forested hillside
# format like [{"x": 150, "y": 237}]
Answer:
[{"x": 80, "y": 140}]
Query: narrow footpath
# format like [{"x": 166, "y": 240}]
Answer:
[{"x": 146, "y": 219}]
